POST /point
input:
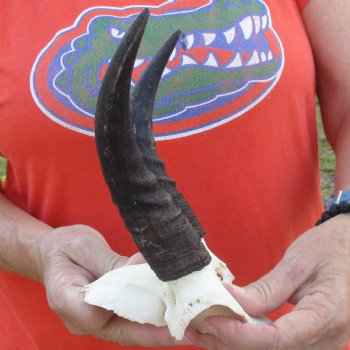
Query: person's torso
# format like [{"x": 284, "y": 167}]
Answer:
[{"x": 233, "y": 120}]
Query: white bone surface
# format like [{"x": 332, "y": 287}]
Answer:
[{"x": 135, "y": 293}]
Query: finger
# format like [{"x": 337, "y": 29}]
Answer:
[
  {"x": 92, "y": 253},
  {"x": 136, "y": 259},
  {"x": 210, "y": 342},
  {"x": 66, "y": 298},
  {"x": 303, "y": 328},
  {"x": 312, "y": 324},
  {"x": 236, "y": 335},
  {"x": 274, "y": 289},
  {"x": 125, "y": 332}
]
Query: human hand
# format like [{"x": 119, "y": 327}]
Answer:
[
  {"x": 70, "y": 258},
  {"x": 314, "y": 275}
]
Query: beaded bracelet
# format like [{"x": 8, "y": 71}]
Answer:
[
  {"x": 337, "y": 207},
  {"x": 342, "y": 207}
]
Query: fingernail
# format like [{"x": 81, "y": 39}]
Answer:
[
  {"x": 187, "y": 340},
  {"x": 210, "y": 329},
  {"x": 183, "y": 341},
  {"x": 235, "y": 289}
]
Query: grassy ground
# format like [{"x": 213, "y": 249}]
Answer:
[
  {"x": 2, "y": 167},
  {"x": 327, "y": 163}
]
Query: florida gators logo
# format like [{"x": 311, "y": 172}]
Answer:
[{"x": 228, "y": 59}]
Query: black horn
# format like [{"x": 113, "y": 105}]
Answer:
[
  {"x": 162, "y": 232},
  {"x": 142, "y": 104}
]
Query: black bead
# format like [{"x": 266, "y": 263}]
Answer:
[
  {"x": 337, "y": 208},
  {"x": 334, "y": 209},
  {"x": 344, "y": 207},
  {"x": 319, "y": 222},
  {"x": 326, "y": 215}
]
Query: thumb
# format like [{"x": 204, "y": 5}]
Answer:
[
  {"x": 87, "y": 248},
  {"x": 112, "y": 261},
  {"x": 135, "y": 259},
  {"x": 272, "y": 290}
]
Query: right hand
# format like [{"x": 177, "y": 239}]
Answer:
[{"x": 70, "y": 258}]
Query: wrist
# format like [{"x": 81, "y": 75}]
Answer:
[
  {"x": 336, "y": 206},
  {"x": 18, "y": 233},
  {"x": 342, "y": 196},
  {"x": 38, "y": 251},
  {"x": 340, "y": 227}
]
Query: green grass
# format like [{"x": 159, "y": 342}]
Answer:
[
  {"x": 2, "y": 167},
  {"x": 327, "y": 161}
]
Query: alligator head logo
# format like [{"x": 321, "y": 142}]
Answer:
[{"x": 228, "y": 59}]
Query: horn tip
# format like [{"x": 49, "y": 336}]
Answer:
[{"x": 145, "y": 13}]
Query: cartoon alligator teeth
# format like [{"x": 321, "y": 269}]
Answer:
[
  {"x": 249, "y": 26},
  {"x": 231, "y": 55}
]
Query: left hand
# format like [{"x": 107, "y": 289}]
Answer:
[
  {"x": 67, "y": 259},
  {"x": 314, "y": 275}
]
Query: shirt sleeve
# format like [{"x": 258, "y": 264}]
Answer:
[{"x": 301, "y": 4}]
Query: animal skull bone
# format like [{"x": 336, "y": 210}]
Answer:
[
  {"x": 136, "y": 293},
  {"x": 181, "y": 282}
]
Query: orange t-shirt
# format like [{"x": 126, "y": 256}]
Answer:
[{"x": 234, "y": 122}]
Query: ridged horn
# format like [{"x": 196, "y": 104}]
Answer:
[
  {"x": 142, "y": 104},
  {"x": 164, "y": 236}
]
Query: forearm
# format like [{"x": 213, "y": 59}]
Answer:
[
  {"x": 342, "y": 151},
  {"x": 18, "y": 233},
  {"x": 66, "y": 259},
  {"x": 327, "y": 25},
  {"x": 335, "y": 109},
  {"x": 339, "y": 137}
]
